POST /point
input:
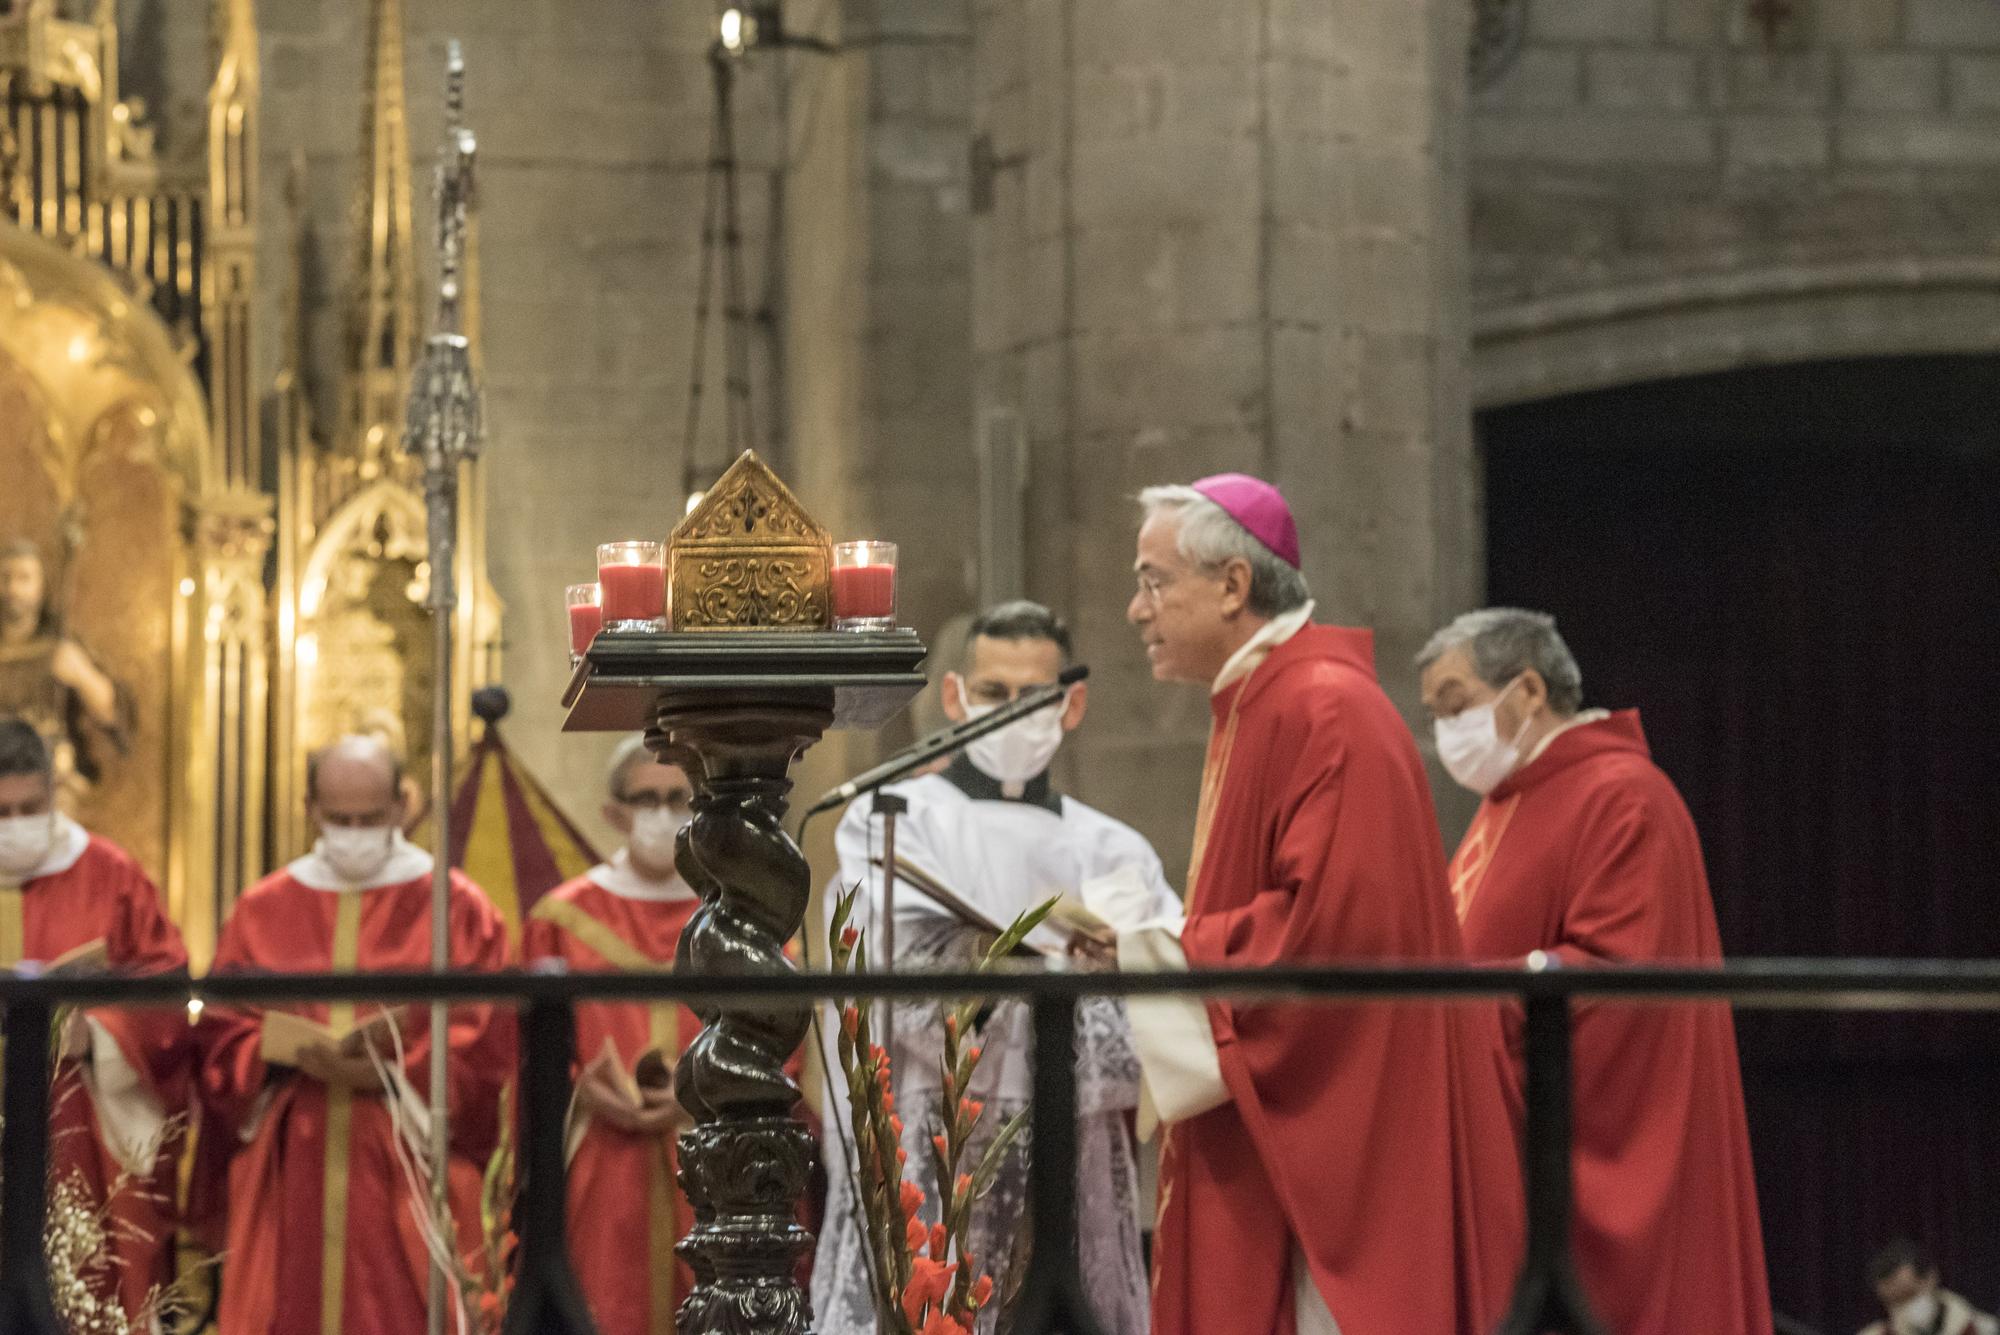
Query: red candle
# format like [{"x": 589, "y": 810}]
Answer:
[
  {"x": 864, "y": 591},
  {"x": 585, "y": 620},
  {"x": 633, "y": 593}
]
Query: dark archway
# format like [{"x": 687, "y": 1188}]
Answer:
[{"x": 1794, "y": 572}]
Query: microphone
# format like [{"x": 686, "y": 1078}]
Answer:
[{"x": 946, "y": 740}]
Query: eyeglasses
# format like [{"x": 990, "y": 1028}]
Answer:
[
  {"x": 1150, "y": 587},
  {"x": 655, "y": 801}
]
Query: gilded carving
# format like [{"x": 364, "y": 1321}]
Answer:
[{"x": 749, "y": 557}]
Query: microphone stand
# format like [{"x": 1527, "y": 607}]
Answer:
[{"x": 889, "y": 806}]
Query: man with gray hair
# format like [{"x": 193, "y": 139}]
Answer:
[
  {"x": 1583, "y": 849},
  {"x": 1353, "y": 1162}
]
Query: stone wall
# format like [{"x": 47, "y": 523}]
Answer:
[
  {"x": 593, "y": 121},
  {"x": 1226, "y": 238},
  {"x": 1662, "y": 186},
  {"x": 1201, "y": 237}
]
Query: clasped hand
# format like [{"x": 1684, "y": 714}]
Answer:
[
  {"x": 335, "y": 1064},
  {"x": 605, "y": 1092}
]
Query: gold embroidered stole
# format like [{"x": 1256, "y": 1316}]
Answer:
[
  {"x": 339, "y": 1128},
  {"x": 1469, "y": 865},
  {"x": 663, "y": 1025},
  {"x": 1214, "y": 773}
]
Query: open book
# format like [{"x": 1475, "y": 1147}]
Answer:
[
  {"x": 286, "y": 1035},
  {"x": 89, "y": 958},
  {"x": 1068, "y": 920}
]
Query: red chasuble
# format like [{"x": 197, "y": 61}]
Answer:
[
  {"x": 1373, "y": 1138},
  {"x": 625, "y": 1210},
  {"x": 1588, "y": 852},
  {"x": 320, "y": 1234},
  {"x": 104, "y": 896}
]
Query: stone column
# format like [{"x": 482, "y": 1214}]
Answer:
[{"x": 1213, "y": 237}]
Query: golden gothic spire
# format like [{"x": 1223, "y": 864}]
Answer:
[{"x": 382, "y": 333}]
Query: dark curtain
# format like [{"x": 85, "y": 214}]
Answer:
[{"x": 1794, "y": 573}]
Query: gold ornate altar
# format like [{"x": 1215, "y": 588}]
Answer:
[{"x": 238, "y": 623}]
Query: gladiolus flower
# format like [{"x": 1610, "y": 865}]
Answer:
[
  {"x": 963, "y": 1185},
  {"x": 876, "y": 1054},
  {"x": 951, "y": 1026},
  {"x": 889, "y": 1103},
  {"x": 972, "y": 1056},
  {"x": 940, "y": 1324},
  {"x": 896, "y": 1125},
  {"x": 902, "y": 1157},
  {"x": 913, "y": 1199},
  {"x": 982, "y": 1291},
  {"x": 850, "y": 1023},
  {"x": 913, "y": 1236},
  {"x": 849, "y": 935},
  {"x": 973, "y": 1107},
  {"x": 929, "y": 1283},
  {"x": 937, "y": 1143},
  {"x": 939, "y": 1241}
]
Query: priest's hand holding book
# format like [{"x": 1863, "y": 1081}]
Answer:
[
  {"x": 347, "y": 1059},
  {"x": 640, "y": 1100}
]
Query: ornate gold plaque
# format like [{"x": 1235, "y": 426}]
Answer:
[{"x": 749, "y": 558}]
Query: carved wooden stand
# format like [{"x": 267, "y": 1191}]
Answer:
[{"x": 735, "y": 710}]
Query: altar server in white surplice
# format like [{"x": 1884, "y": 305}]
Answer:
[{"x": 991, "y": 829}]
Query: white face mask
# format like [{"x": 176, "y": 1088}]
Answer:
[
  {"x": 25, "y": 842},
  {"x": 357, "y": 854},
  {"x": 1469, "y": 745},
  {"x": 654, "y": 833},
  {"x": 1021, "y": 750},
  {"x": 1918, "y": 1314}
]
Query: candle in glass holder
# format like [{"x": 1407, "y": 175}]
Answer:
[
  {"x": 864, "y": 586},
  {"x": 586, "y": 617},
  {"x": 632, "y": 582}
]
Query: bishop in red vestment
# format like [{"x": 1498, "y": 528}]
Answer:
[
  {"x": 123, "y": 1075},
  {"x": 1583, "y": 848},
  {"x": 1353, "y": 1169},
  {"x": 326, "y": 1144},
  {"x": 626, "y": 1210}
]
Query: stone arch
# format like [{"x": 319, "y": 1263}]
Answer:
[{"x": 1691, "y": 324}]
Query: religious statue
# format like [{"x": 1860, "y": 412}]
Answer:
[{"x": 51, "y": 681}]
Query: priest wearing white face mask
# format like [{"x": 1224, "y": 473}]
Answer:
[
  {"x": 316, "y": 1130},
  {"x": 65, "y": 892},
  {"x": 1583, "y": 849},
  {"x": 625, "y": 1211},
  {"x": 992, "y": 829}
]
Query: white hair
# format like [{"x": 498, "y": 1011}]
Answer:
[
  {"x": 1504, "y": 642},
  {"x": 632, "y": 751},
  {"x": 1210, "y": 537}
]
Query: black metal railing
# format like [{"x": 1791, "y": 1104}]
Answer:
[{"x": 1548, "y": 1298}]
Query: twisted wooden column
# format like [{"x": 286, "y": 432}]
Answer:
[{"x": 746, "y": 1162}]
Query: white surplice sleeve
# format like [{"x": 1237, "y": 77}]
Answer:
[{"x": 1181, "y": 1068}]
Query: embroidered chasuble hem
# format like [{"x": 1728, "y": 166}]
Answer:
[{"x": 339, "y": 1127}]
